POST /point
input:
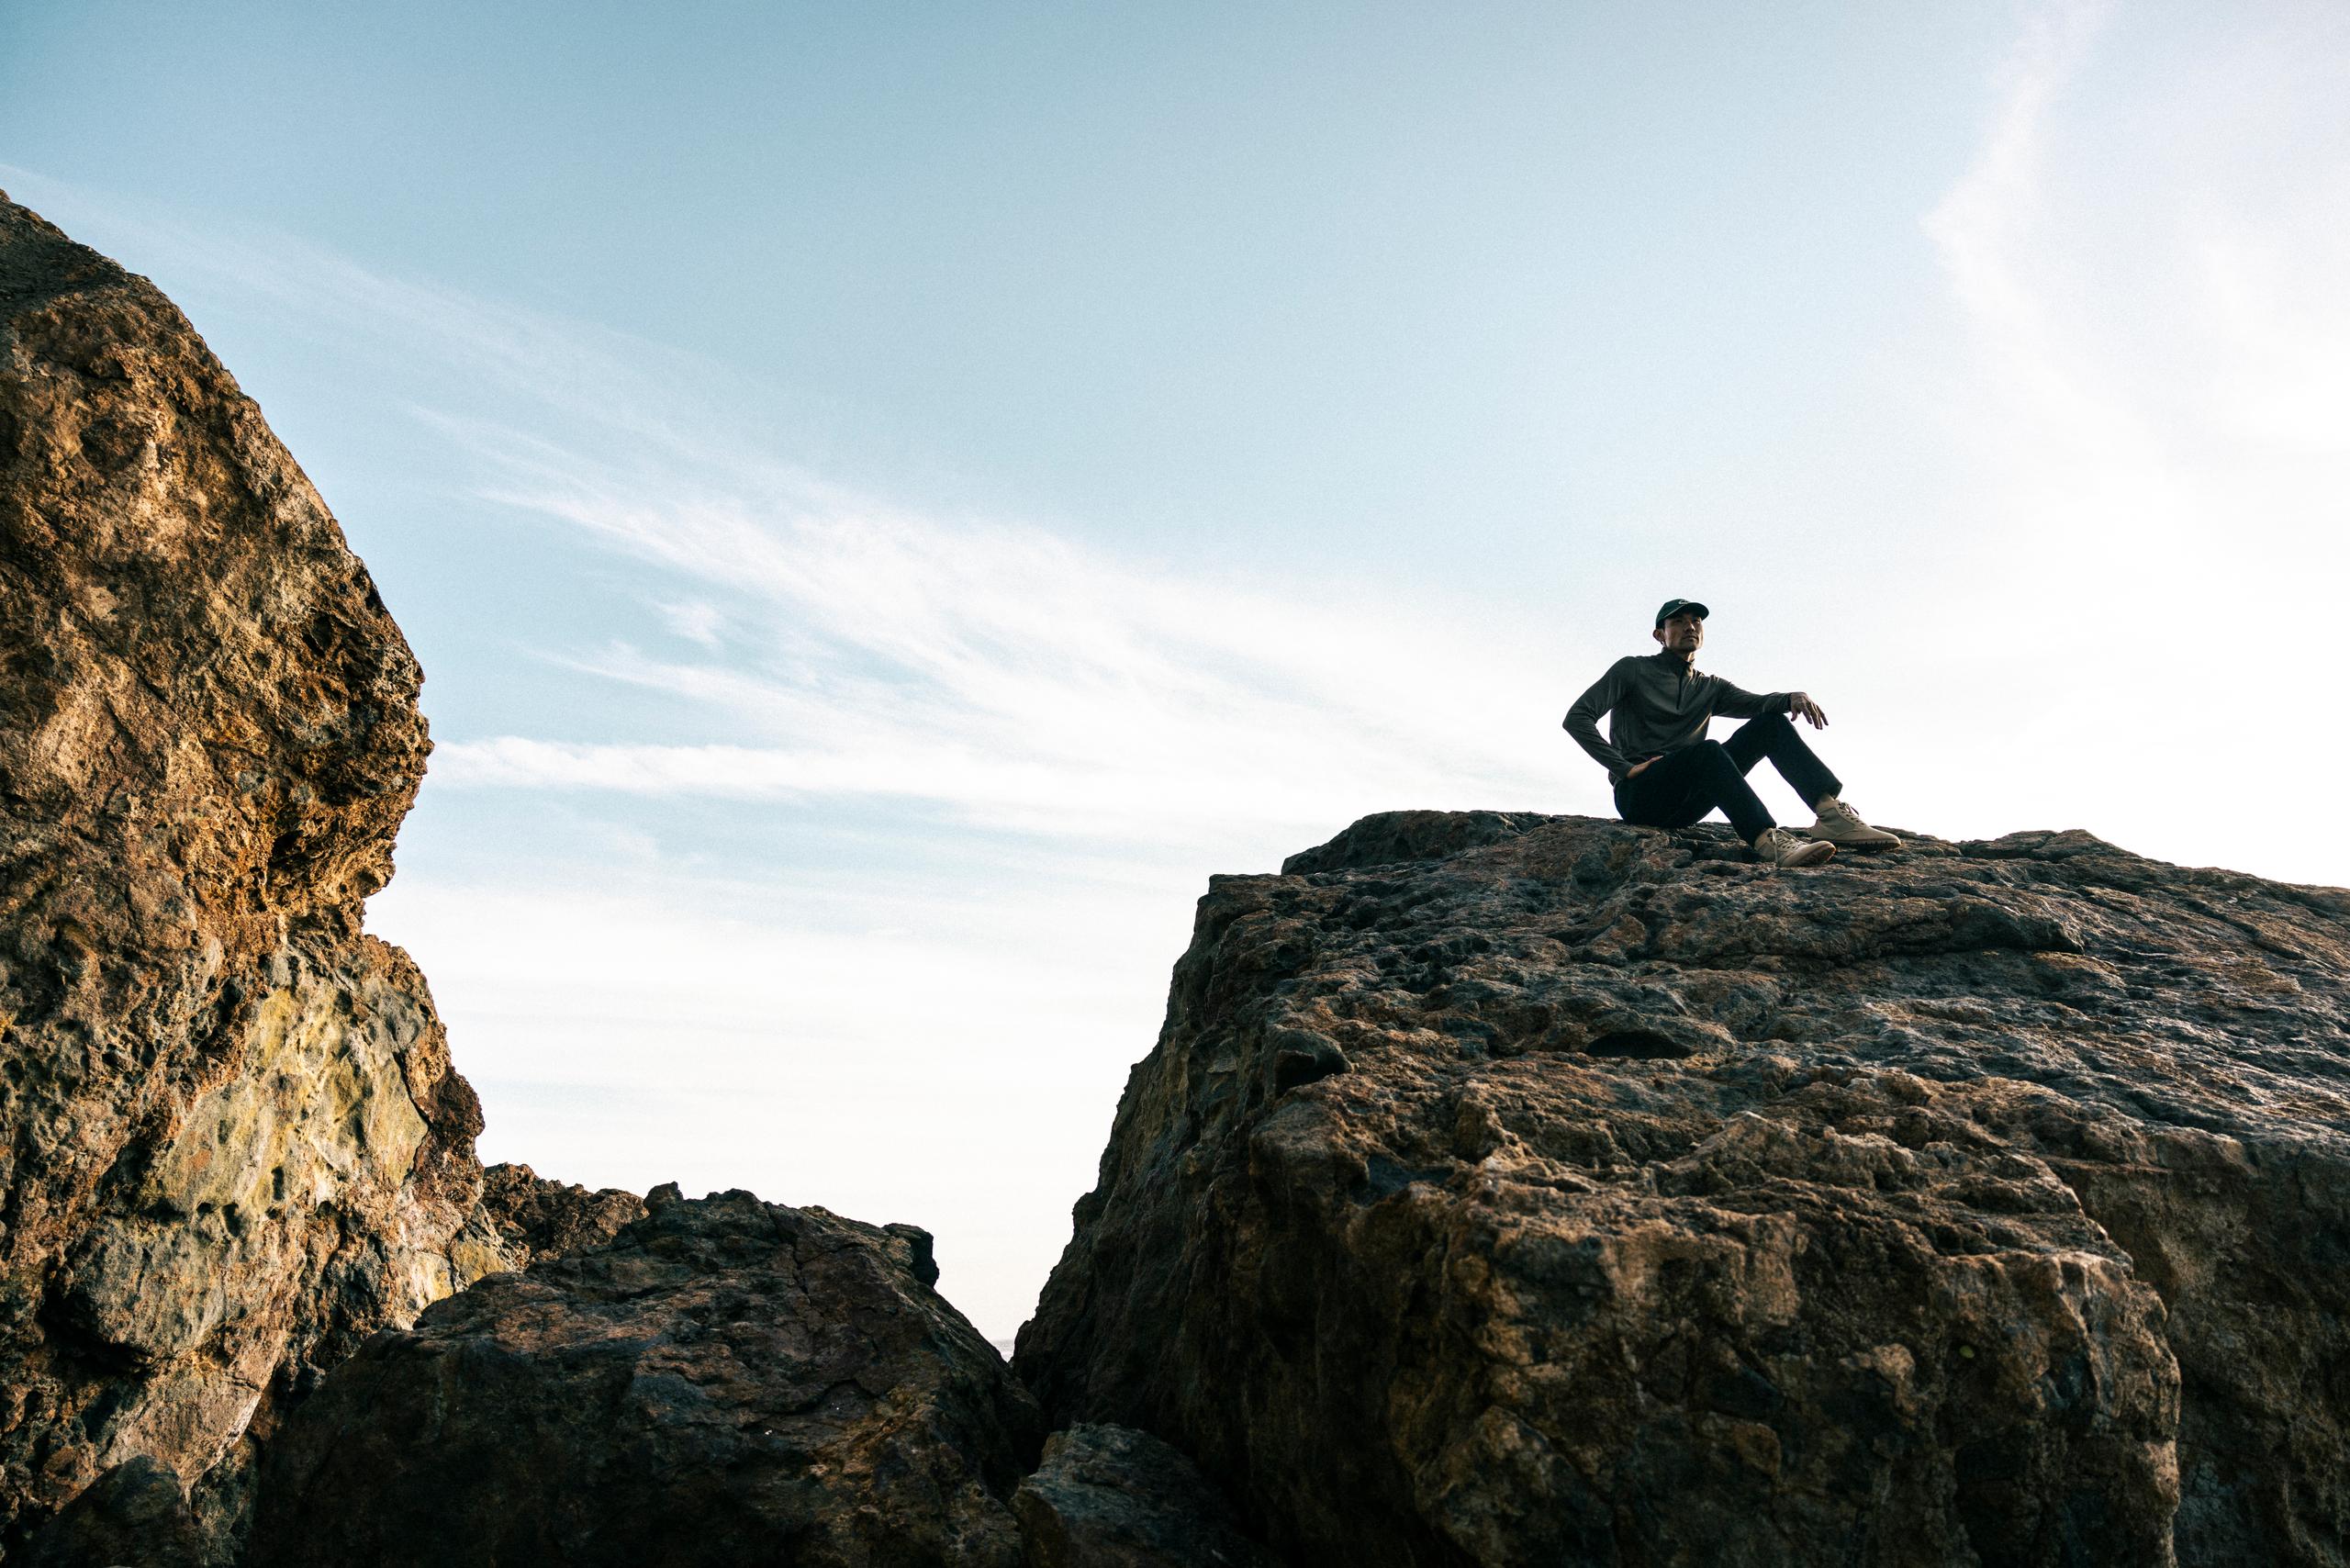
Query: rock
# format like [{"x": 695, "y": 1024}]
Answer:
[
  {"x": 232, "y": 1143},
  {"x": 1114, "y": 1498},
  {"x": 134, "y": 1514},
  {"x": 1393, "y": 836},
  {"x": 726, "y": 1382},
  {"x": 537, "y": 1218},
  {"x": 1561, "y": 1191}
]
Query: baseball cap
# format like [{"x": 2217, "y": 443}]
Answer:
[{"x": 1673, "y": 607}]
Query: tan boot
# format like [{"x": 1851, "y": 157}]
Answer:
[
  {"x": 1779, "y": 847},
  {"x": 1840, "y": 824}
]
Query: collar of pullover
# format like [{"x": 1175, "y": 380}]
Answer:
[{"x": 1675, "y": 661}]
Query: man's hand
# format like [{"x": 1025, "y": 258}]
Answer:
[
  {"x": 1800, "y": 705},
  {"x": 1634, "y": 771}
]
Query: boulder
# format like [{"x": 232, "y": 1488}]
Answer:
[
  {"x": 726, "y": 1382},
  {"x": 536, "y": 1218},
  {"x": 1114, "y": 1498},
  {"x": 1549, "y": 1190},
  {"x": 136, "y": 1515},
  {"x": 232, "y": 1143}
]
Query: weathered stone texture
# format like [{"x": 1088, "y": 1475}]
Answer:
[
  {"x": 136, "y": 1515},
  {"x": 536, "y": 1218},
  {"x": 1114, "y": 1498},
  {"x": 727, "y": 1382},
  {"x": 231, "y": 1144},
  {"x": 1525, "y": 1191}
]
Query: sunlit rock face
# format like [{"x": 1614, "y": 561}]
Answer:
[
  {"x": 231, "y": 1140},
  {"x": 1514, "y": 1190}
]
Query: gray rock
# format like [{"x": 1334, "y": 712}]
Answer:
[
  {"x": 537, "y": 1218},
  {"x": 1114, "y": 1498},
  {"x": 726, "y": 1382},
  {"x": 1554, "y": 1191}
]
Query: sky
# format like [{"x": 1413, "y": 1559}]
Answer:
[{"x": 890, "y": 497}]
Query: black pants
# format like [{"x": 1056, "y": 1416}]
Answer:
[{"x": 1682, "y": 786}]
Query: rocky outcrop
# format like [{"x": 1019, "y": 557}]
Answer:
[
  {"x": 1518, "y": 1191},
  {"x": 232, "y": 1143},
  {"x": 1114, "y": 1498},
  {"x": 1502, "y": 1190},
  {"x": 726, "y": 1382},
  {"x": 537, "y": 1219}
]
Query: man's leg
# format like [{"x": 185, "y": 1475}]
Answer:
[
  {"x": 1774, "y": 736},
  {"x": 1683, "y": 786}
]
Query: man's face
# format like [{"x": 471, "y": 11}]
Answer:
[{"x": 1684, "y": 634}]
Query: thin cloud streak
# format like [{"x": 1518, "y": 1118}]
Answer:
[
  {"x": 2161, "y": 425},
  {"x": 844, "y": 646},
  {"x": 1021, "y": 679}
]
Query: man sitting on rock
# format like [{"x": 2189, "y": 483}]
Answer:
[{"x": 1658, "y": 705}]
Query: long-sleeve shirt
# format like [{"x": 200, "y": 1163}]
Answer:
[{"x": 1656, "y": 704}]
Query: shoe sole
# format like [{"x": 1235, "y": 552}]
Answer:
[
  {"x": 1859, "y": 844},
  {"x": 1803, "y": 859}
]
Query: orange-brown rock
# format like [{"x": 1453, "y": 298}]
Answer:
[
  {"x": 231, "y": 1144},
  {"x": 1509, "y": 1189}
]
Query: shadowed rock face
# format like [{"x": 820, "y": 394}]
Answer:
[
  {"x": 1550, "y": 1190},
  {"x": 231, "y": 1144},
  {"x": 1114, "y": 1498},
  {"x": 726, "y": 1382},
  {"x": 135, "y": 1513},
  {"x": 537, "y": 1218}
]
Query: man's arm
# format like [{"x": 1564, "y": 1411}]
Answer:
[
  {"x": 1582, "y": 721},
  {"x": 1737, "y": 702},
  {"x": 1733, "y": 703}
]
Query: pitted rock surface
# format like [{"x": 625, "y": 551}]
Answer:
[
  {"x": 136, "y": 1514},
  {"x": 1114, "y": 1498},
  {"x": 726, "y": 1382},
  {"x": 231, "y": 1144},
  {"x": 537, "y": 1219},
  {"x": 1553, "y": 1191}
]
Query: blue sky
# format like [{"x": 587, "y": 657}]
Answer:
[{"x": 889, "y": 497}]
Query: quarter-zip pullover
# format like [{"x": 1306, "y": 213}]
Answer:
[{"x": 1656, "y": 704}]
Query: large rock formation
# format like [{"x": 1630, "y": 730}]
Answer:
[
  {"x": 231, "y": 1144},
  {"x": 1523, "y": 1190},
  {"x": 1504, "y": 1189},
  {"x": 726, "y": 1382}
]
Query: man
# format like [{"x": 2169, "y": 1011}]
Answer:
[{"x": 1667, "y": 774}]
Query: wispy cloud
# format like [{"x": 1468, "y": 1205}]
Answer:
[
  {"x": 1060, "y": 738},
  {"x": 2157, "y": 403},
  {"x": 2151, "y": 335},
  {"x": 2076, "y": 456},
  {"x": 1011, "y": 675},
  {"x": 1029, "y": 681}
]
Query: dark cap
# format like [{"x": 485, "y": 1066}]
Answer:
[{"x": 1673, "y": 607}]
